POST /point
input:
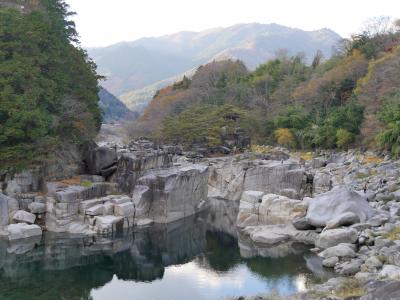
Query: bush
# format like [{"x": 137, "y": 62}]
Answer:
[{"x": 343, "y": 138}]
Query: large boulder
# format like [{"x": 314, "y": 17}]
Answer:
[
  {"x": 37, "y": 208},
  {"x": 390, "y": 271},
  {"x": 345, "y": 219},
  {"x": 22, "y": 216},
  {"x": 99, "y": 160},
  {"x": 334, "y": 203},
  {"x": 333, "y": 237}
]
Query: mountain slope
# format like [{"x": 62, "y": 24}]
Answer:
[
  {"x": 130, "y": 66},
  {"x": 113, "y": 109},
  {"x": 351, "y": 99}
]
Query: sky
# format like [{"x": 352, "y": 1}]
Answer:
[{"x": 105, "y": 22}]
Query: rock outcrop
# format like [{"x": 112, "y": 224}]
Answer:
[
  {"x": 230, "y": 177},
  {"x": 166, "y": 195},
  {"x": 4, "y": 218},
  {"x": 132, "y": 166},
  {"x": 270, "y": 209},
  {"x": 101, "y": 161}
]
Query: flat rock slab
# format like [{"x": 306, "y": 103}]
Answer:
[
  {"x": 333, "y": 237},
  {"x": 22, "y": 231},
  {"x": 341, "y": 250}
]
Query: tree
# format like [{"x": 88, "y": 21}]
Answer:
[
  {"x": 41, "y": 68},
  {"x": 284, "y": 137},
  {"x": 317, "y": 59}
]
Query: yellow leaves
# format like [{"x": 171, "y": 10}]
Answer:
[
  {"x": 260, "y": 149},
  {"x": 284, "y": 137},
  {"x": 79, "y": 126},
  {"x": 371, "y": 159},
  {"x": 306, "y": 156}
]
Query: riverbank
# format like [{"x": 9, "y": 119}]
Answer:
[{"x": 344, "y": 205}]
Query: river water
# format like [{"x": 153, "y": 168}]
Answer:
[{"x": 181, "y": 261}]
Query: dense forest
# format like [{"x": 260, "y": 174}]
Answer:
[
  {"x": 351, "y": 98},
  {"x": 48, "y": 85}
]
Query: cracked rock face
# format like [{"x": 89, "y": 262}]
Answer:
[
  {"x": 271, "y": 209},
  {"x": 230, "y": 178},
  {"x": 100, "y": 160},
  {"x": 132, "y": 166},
  {"x": 166, "y": 195}
]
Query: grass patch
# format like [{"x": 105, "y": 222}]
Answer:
[
  {"x": 371, "y": 159},
  {"x": 86, "y": 184},
  {"x": 393, "y": 234},
  {"x": 306, "y": 156},
  {"x": 350, "y": 288},
  {"x": 260, "y": 149},
  {"x": 71, "y": 181},
  {"x": 362, "y": 175},
  {"x": 76, "y": 181}
]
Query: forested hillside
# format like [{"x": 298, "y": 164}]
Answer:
[
  {"x": 349, "y": 99},
  {"x": 135, "y": 70},
  {"x": 48, "y": 85},
  {"x": 113, "y": 109}
]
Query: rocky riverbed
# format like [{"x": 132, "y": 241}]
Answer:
[{"x": 346, "y": 206}]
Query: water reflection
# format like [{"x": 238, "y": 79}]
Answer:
[{"x": 179, "y": 261}]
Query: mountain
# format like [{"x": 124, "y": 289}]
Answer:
[
  {"x": 113, "y": 109},
  {"x": 134, "y": 70},
  {"x": 351, "y": 99}
]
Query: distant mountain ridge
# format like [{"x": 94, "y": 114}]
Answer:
[{"x": 133, "y": 69}]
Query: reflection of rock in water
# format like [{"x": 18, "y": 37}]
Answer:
[
  {"x": 249, "y": 249},
  {"x": 314, "y": 264},
  {"x": 287, "y": 251},
  {"x": 70, "y": 267},
  {"x": 222, "y": 216}
]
